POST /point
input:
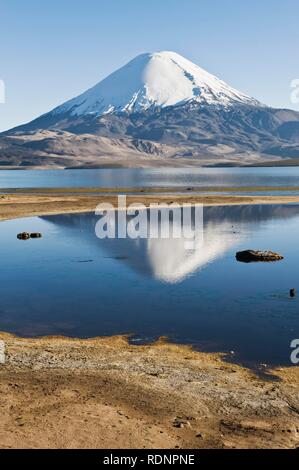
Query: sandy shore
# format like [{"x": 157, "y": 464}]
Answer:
[
  {"x": 105, "y": 393},
  {"x": 22, "y": 205}
]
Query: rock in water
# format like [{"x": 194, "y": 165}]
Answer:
[
  {"x": 35, "y": 235},
  {"x": 293, "y": 293},
  {"x": 249, "y": 256},
  {"x": 23, "y": 236}
]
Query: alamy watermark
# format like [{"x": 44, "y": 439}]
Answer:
[
  {"x": 2, "y": 92},
  {"x": 2, "y": 352},
  {"x": 159, "y": 220},
  {"x": 295, "y": 353},
  {"x": 295, "y": 91}
]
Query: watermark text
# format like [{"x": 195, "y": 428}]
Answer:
[
  {"x": 295, "y": 91},
  {"x": 164, "y": 221},
  {"x": 2, "y": 92}
]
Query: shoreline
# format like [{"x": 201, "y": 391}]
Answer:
[
  {"x": 146, "y": 190},
  {"x": 148, "y": 163},
  {"x": 60, "y": 392},
  {"x": 15, "y": 205}
]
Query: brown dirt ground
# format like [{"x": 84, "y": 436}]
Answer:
[{"x": 105, "y": 393}]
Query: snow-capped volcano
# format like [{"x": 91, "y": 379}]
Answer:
[
  {"x": 160, "y": 80},
  {"x": 159, "y": 109}
]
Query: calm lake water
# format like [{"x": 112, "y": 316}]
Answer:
[
  {"x": 174, "y": 177},
  {"x": 72, "y": 283}
]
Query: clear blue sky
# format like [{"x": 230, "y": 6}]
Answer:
[{"x": 52, "y": 50}]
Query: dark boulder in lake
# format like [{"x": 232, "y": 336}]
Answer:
[
  {"x": 26, "y": 235},
  {"x": 35, "y": 235},
  {"x": 23, "y": 236},
  {"x": 250, "y": 256}
]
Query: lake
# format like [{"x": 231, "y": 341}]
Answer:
[
  {"x": 70, "y": 282},
  {"x": 159, "y": 177}
]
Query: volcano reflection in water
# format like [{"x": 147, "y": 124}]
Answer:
[{"x": 168, "y": 260}]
